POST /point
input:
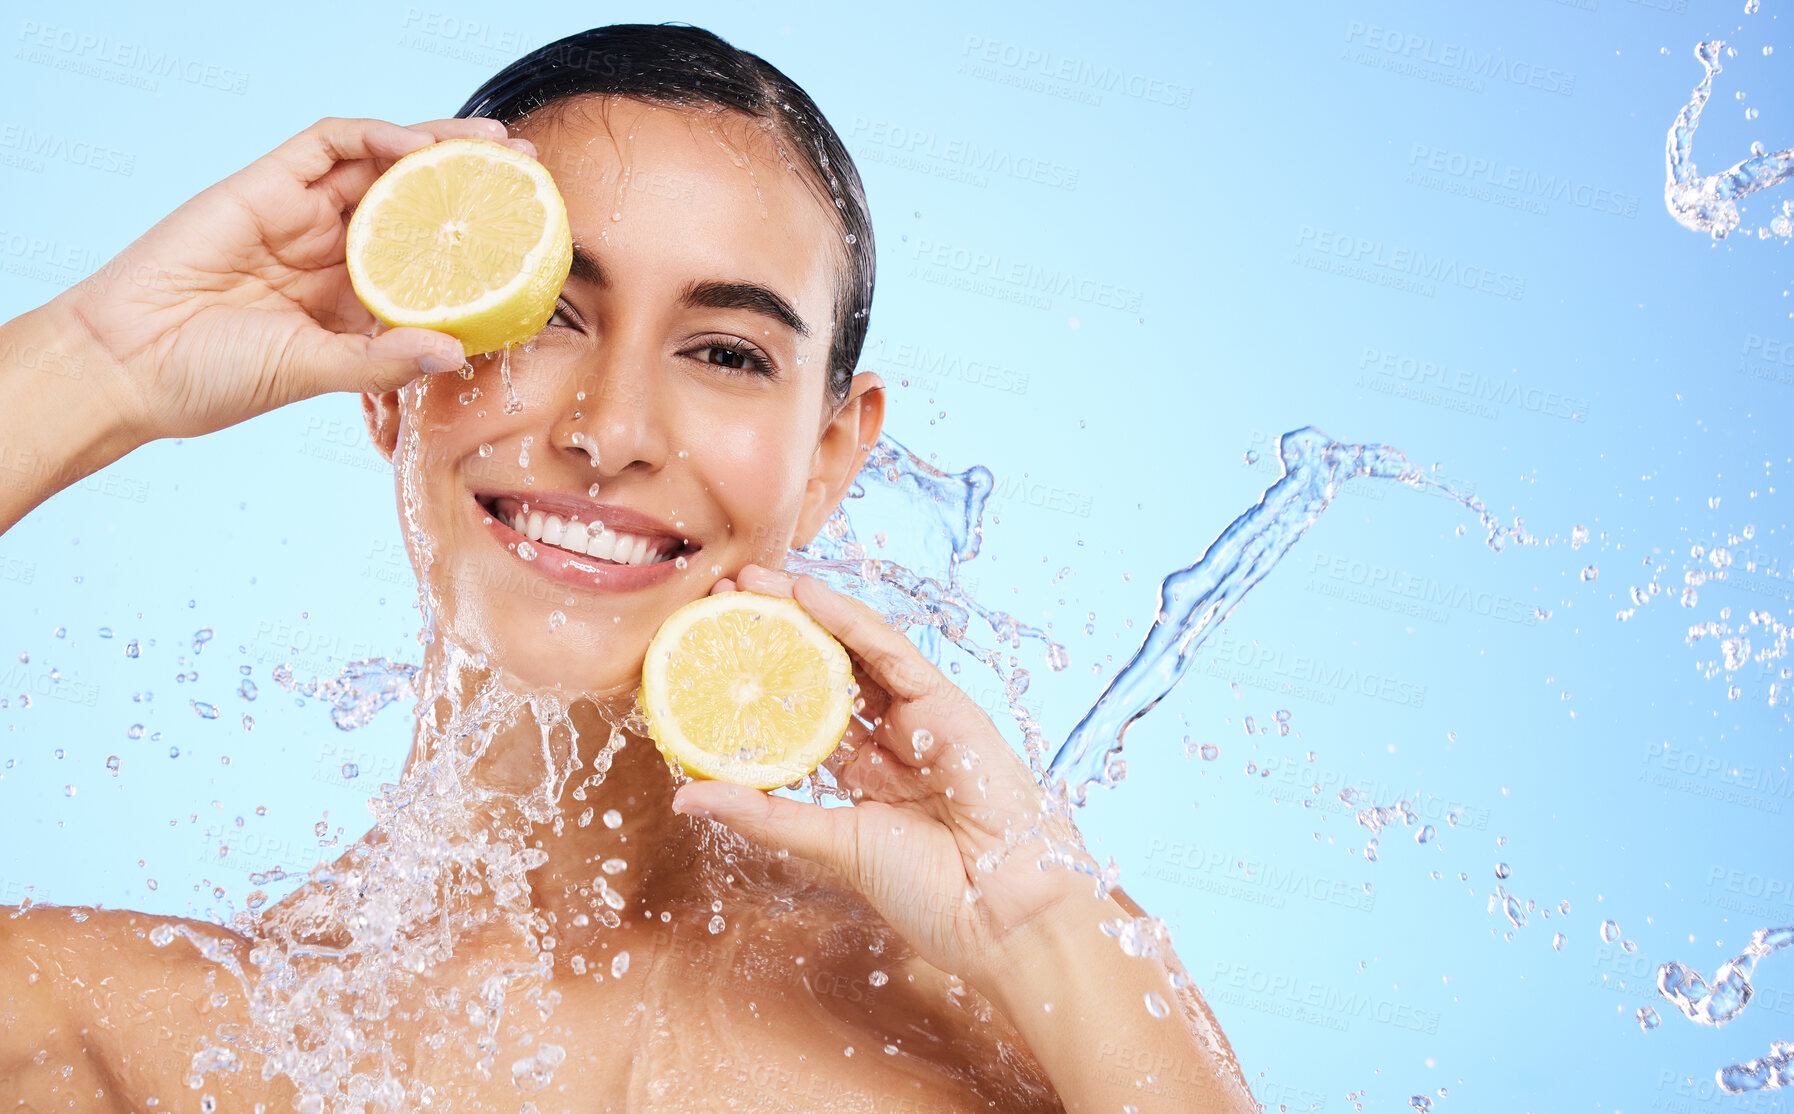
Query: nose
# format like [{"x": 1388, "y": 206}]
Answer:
[{"x": 611, "y": 413}]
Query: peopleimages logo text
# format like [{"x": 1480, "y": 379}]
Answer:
[
  {"x": 1521, "y": 180},
  {"x": 1492, "y": 65},
  {"x": 1407, "y": 261},
  {"x": 1474, "y": 385},
  {"x": 1077, "y": 73}
]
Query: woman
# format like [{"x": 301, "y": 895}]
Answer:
[{"x": 702, "y": 946}]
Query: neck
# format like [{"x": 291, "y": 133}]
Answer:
[{"x": 577, "y": 782}]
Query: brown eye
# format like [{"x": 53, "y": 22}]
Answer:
[
  {"x": 734, "y": 355},
  {"x": 728, "y": 357}
]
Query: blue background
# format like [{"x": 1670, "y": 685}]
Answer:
[{"x": 1639, "y": 391}]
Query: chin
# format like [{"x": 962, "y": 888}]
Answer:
[{"x": 543, "y": 636}]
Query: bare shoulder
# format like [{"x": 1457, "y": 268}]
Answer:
[{"x": 93, "y": 997}]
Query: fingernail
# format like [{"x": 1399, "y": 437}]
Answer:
[
  {"x": 684, "y": 807},
  {"x": 433, "y": 363}
]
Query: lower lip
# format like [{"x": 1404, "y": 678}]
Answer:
[{"x": 580, "y": 572}]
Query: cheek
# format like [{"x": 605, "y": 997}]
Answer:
[{"x": 756, "y": 476}]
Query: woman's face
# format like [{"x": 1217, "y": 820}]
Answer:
[{"x": 672, "y": 415}]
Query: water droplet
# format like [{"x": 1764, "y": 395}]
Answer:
[
  {"x": 613, "y": 818},
  {"x": 162, "y": 935},
  {"x": 1502, "y": 870},
  {"x": 247, "y": 689},
  {"x": 1610, "y": 932},
  {"x": 1156, "y": 1004},
  {"x": 921, "y": 741},
  {"x": 716, "y": 924},
  {"x": 205, "y": 711},
  {"x": 1648, "y": 1018},
  {"x": 485, "y": 449},
  {"x": 556, "y": 619},
  {"x": 1590, "y": 572},
  {"x": 1557, "y": 941},
  {"x": 878, "y": 978},
  {"x": 351, "y": 770},
  {"x": 619, "y": 965}
]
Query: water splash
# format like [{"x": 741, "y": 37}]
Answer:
[
  {"x": 358, "y": 693},
  {"x": 332, "y": 965},
  {"x": 1195, "y": 600},
  {"x": 1724, "y": 1000},
  {"x": 1710, "y": 204},
  {"x": 1770, "y": 1073},
  {"x": 926, "y": 589},
  {"x": 1730, "y": 991}
]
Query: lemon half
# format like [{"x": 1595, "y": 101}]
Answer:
[
  {"x": 467, "y": 237},
  {"x": 746, "y": 688}
]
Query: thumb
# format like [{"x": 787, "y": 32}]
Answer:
[
  {"x": 829, "y": 836},
  {"x": 326, "y": 361}
]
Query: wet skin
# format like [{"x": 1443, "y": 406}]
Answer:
[{"x": 815, "y": 993}]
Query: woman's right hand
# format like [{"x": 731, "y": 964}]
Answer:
[{"x": 239, "y": 301}]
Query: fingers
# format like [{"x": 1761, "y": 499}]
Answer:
[
  {"x": 475, "y": 127},
  {"x": 323, "y": 361},
  {"x": 892, "y": 660},
  {"x": 829, "y": 836},
  {"x": 349, "y": 178},
  {"x": 753, "y": 578},
  {"x": 334, "y": 140},
  {"x": 313, "y": 152}
]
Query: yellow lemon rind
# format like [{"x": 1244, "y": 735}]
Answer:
[
  {"x": 801, "y": 758},
  {"x": 501, "y": 318}
]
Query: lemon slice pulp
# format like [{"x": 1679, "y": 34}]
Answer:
[
  {"x": 467, "y": 237},
  {"x": 746, "y": 688}
]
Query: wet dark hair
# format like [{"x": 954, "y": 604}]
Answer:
[{"x": 681, "y": 66}]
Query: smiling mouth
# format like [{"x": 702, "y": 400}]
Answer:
[{"x": 593, "y": 541}]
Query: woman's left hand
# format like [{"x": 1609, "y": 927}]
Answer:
[{"x": 923, "y": 815}]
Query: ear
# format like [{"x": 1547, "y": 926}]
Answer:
[
  {"x": 381, "y": 412},
  {"x": 841, "y": 452}
]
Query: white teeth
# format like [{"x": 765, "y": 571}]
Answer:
[{"x": 589, "y": 539}]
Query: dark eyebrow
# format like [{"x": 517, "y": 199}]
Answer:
[
  {"x": 586, "y": 269},
  {"x": 750, "y": 296}
]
